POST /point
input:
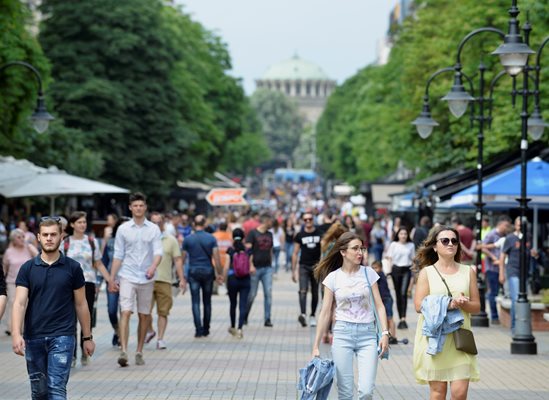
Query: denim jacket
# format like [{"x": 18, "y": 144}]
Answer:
[
  {"x": 315, "y": 380},
  {"x": 439, "y": 321}
]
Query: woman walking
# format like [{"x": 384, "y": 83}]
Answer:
[
  {"x": 238, "y": 282},
  {"x": 439, "y": 258},
  {"x": 354, "y": 331},
  {"x": 16, "y": 254},
  {"x": 401, "y": 255},
  {"x": 85, "y": 250}
]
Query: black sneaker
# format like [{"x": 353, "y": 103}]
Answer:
[
  {"x": 115, "y": 340},
  {"x": 402, "y": 325},
  {"x": 302, "y": 320},
  {"x": 393, "y": 340},
  {"x": 268, "y": 323}
]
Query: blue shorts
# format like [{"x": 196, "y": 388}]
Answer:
[{"x": 388, "y": 303}]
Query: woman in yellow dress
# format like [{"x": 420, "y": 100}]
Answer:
[{"x": 441, "y": 250}]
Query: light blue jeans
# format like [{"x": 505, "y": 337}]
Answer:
[
  {"x": 265, "y": 275},
  {"x": 355, "y": 340},
  {"x": 49, "y": 365},
  {"x": 513, "y": 282}
]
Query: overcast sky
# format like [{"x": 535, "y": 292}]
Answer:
[{"x": 340, "y": 36}]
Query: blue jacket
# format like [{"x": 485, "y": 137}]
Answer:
[
  {"x": 315, "y": 380},
  {"x": 439, "y": 321}
]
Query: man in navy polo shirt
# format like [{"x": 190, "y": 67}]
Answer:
[{"x": 53, "y": 286}]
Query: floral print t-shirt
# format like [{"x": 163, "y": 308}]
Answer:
[{"x": 81, "y": 251}]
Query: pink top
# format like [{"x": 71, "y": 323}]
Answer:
[{"x": 14, "y": 257}]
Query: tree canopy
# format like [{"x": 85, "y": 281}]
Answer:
[{"x": 365, "y": 129}]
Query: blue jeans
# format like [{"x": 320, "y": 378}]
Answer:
[
  {"x": 112, "y": 308},
  {"x": 276, "y": 254},
  {"x": 289, "y": 252},
  {"x": 513, "y": 282},
  {"x": 201, "y": 278},
  {"x": 492, "y": 279},
  {"x": 350, "y": 340},
  {"x": 377, "y": 248},
  {"x": 49, "y": 365},
  {"x": 265, "y": 275}
]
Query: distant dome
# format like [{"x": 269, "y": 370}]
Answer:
[{"x": 295, "y": 69}]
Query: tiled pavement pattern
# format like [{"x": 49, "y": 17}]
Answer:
[{"x": 264, "y": 364}]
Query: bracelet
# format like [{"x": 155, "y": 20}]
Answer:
[
  {"x": 386, "y": 333},
  {"x": 87, "y": 338}
]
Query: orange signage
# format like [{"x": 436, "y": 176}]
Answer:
[{"x": 227, "y": 197}]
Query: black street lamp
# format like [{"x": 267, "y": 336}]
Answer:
[{"x": 40, "y": 117}]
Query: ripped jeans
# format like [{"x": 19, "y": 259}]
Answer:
[{"x": 49, "y": 365}]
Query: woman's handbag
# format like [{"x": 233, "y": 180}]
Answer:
[
  {"x": 463, "y": 338},
  {"x": 385, "y": 355}
]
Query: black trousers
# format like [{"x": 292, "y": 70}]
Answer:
[
  {"x": 90, "y": 297},
  {"x": 401, "y": 279},
  {"x": 305, "y": 277}
]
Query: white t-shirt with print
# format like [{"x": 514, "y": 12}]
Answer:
[
  {"x": 81, "y": 251},
  {"x": 352, "y": 294}
]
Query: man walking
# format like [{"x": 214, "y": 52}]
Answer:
[
  {"x": 260, "y": 241},
  {"x": 308, "y": 243},
  {"x": 162, "y": 293},
  {"x": 49, "y": 296},
  {"x": 491, "y": 247},
  {"x": 137, "y": 254},
  {"x": 201, "y": 247}
]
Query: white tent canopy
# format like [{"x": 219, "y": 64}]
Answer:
[{"x": 21, "y": 178}]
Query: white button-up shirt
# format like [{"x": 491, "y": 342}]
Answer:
[{"x": 137, "y": 245}]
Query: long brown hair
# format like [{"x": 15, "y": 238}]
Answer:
[
  {"x": 334, "y": 259},
  {"x": 332, "y": 234},
  {"x": 426, "y": 254}
]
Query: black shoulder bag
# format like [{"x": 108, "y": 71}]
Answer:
[{"x": 463, "y": 338}]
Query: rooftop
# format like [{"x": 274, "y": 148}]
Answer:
[{"x": 295, "y": 68}]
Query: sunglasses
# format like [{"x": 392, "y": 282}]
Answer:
[
  {"x": 446, "y": 241},
  {"x": 48, "y": 218},
  {"x": 307, "y": 219}
]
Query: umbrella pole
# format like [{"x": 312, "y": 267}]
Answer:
[
  {"x": 535, "y": 224},
  {"x": 52, "y": 205}
]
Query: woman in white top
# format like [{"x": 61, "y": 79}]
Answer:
[
  {"x": 278, "y": 243},
  {"x": 344, "y": 280},
  {"x": 401, "y": 255}
]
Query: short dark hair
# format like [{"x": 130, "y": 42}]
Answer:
[
  {"x": 50, "y": 222},
  {"x": 456, "y": 220},
  {"x": 504, "y": 218},
  {"x": 75, "y": 216},
  {"x": 138, "y": 196},
  {"x": 265, "y": 217},
  {"x": 200, "y": 220}
]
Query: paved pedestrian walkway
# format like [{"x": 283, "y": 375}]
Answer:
[{"x": 264, "y": 364}]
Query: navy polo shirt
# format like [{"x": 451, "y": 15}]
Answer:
[{"x": 50, "y": 310}]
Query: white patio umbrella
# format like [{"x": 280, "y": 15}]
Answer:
[{"x": 20, "y": 178}]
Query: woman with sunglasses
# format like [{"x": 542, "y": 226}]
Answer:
[
  {"x": 439, "y": 257},
  {"x": 345, "y": 284}
]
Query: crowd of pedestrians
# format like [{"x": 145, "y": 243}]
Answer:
[{"x": 144, "y": 260}]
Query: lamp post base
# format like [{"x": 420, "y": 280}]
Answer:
[
  {"x": 524, "y": 347},
  {"x": 480, "y": 319}
]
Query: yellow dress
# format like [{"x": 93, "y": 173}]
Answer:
[{"x": 450, "y": 364}]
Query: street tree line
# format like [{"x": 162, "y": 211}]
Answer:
[
  {"x": 365, "y": 129},
  {"x": 141, "y": 93}
]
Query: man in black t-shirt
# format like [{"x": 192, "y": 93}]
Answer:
[
  {"x": 308, "y": 242},
  {"x": 50, "y": 295},
  {"x": 260, "y": 241}
]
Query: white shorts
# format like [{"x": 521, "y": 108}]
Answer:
[{"x": 132, "y": 293}]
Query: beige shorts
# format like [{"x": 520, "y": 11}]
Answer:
[
  {"x": 132, "y": 293},
  {"x": 162, "y": 295}
]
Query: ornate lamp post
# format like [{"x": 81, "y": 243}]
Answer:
[{"x": 40, "y": 117}]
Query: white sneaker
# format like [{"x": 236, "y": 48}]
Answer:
[
  {"x": 161, "y": 344},
  {"x": 312, "y": 320}
]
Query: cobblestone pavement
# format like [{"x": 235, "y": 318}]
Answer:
[{"x": 264, "y": 364}]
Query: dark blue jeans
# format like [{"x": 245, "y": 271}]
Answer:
[
  {"x": 235, "y": 287},
  {"x": 201, "y": 278},
  {"x": 492, "y": 279},
  {"x": 49, "y": 365},
  {"x": 112, "y": 308}
]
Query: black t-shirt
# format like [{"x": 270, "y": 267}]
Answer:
[
  {"x": 262, "y": 244},
  {"x": 310, "y": 246},
  {"x": 50, "y": 310}
]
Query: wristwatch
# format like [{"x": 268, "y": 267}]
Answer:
[
  {"x": 386, "y": 333},
  {"x": 87, "y": 338}
]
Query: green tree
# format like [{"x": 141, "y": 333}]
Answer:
[
  {"x": 365, "y": 129},
  {"x": 280, "y": 121}
]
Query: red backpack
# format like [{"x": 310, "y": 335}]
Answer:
[{"x": 241, "y": 264}]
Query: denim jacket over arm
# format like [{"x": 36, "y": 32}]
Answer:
[
  {"x": 315, "y": 380},
  {"x": 439, "y": 321}
]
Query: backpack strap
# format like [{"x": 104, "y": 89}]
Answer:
[{"x": 66, "y": 245}]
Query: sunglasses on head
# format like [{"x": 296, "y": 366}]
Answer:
[
  {"x": 446, "y": 241},
  {"x": 48, "y": 218}
]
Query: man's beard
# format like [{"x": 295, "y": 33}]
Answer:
[{"x": 51, "y": 250}]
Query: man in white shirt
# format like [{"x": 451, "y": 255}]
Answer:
[{"x": 137, "y": 253}]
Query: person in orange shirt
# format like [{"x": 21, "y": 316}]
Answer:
[{"x": 224, "y": 240}]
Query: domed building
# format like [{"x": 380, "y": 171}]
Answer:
[{"x": 301, "y": 80}]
